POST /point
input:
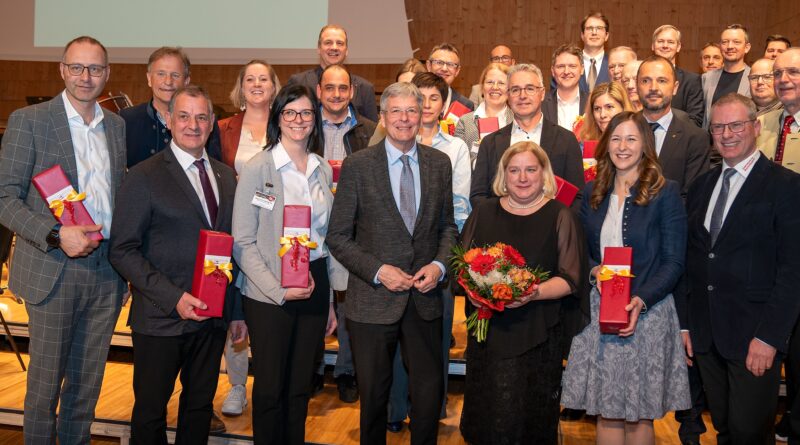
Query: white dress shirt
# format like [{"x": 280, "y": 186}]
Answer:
[
  {"x": 304, "y": 188},
  {"x": 661, "y": 132},
  {"x": 93, "y": 162},
  {"x": 248, "y": 147},
  {"x": 587, "y": 64},
  {"x": 568, "y": 111},
  {"x": 186, "y": 162},
  {"x": 519, "y": 135},
  {"x": 743, "y": 169},
  {"x": 457, "y": 151}
]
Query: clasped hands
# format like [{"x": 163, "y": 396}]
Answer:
[{"x": 394, "y": 279}]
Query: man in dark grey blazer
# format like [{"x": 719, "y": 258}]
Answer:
[
  {"x": 563, "y": 104},
  {"x": 72, "y": 294},
  {"x": 392, "y": 227},
  {"x": 689, "y": 97},
  {"x": 525, "y": 95},
  {"x": 162, "y": 206}
]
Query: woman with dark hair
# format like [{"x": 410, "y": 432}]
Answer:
[
  {"x": 629, "y": 379},
  {"x": 244, "y": 134},
  {"x": 285, "y": 324}
]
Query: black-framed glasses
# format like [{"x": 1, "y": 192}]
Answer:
[
  {"x": 734, "y": 127},
  {"x": 291, "y": 115},
  {"x": 436, "y": 63},
  {"x": 76, "y": 69},
  {"x": 500, "y": 59},
  {"x": 529, "y": 90},
  {"x": 761, "y": 77}
]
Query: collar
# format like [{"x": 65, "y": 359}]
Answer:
[
  {"x": 394, "y": 153},
  {"x": 349, "y": 118},
  {"x": 786, "y": 113},
  {"x": 746, "y": 165},
  {"x": 281, "y": 159},
  {"x": 575, "y": 100},
  {"x": 516, "y": 128},
  {"x": 480, "y": 111},
  {"x": 598, "y": 59},
  {"x": 185, "y": 159},
  {"x": 155, "y": 115},
  {"x": 439, "y": 136},
  {"x": 665, "y": 121},
  {"x": 73, "y": 115}
]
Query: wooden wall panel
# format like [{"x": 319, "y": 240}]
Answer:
[{"x": 532, "y": 28}]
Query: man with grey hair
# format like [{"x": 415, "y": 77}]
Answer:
[
  {"x": 689, "y": 97},
  {"x": 525, "y": 96},
  {"x": 629, "y": 74},
  {"x": 396, "y": 260},
  {"x": 762, "y": 86},
  {"x": 618, "y": 57}
]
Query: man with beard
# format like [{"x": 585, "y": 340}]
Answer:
[
  {"x": 732, "y": 78},
  {"x": 682, "y": 147}
]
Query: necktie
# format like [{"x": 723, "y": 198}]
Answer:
[
  {"x": 787, "y": 128},
  {"x": 592, "y": 75},
  {"x": 408, "y": 205},
  {"x": 719, "y": 206},
  {"x": 208, "y": 192},
  {"x": 653, "y": 126}
]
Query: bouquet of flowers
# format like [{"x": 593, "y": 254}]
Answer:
[{"x": 493, "y": 276}]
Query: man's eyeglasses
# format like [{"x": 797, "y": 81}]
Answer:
[
  {"x": 436, "y": 63},
  {"x": 761, "y": 77},
  {"x": 291, "y": 115},
  {"x": 396, "y": 113},
  {"x": 529, "y": 90},
  {"x": 735, "y": 127},
  {"x": 793, "y": 73},
  {"x": 76, "y": 69},
  {"x": 594, "y": 28},
  {"x": 500, "y": 59}
]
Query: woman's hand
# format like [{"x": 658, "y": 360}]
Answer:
[
  {"x": 525, "y": 299},
  {"x": 332, "y": 323},
  {"x": 634, "y": 307},
  {"x": 296, "y": 293}
]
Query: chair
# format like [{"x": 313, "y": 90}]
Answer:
[{"x": 6, "y": 237}]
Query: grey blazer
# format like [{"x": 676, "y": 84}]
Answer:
[
  {"x": 710, "y": 82},
  {"x": 366, "y": 231},
  {"x": 257, "y": 231},
  {"x": 36, "y": 139}
]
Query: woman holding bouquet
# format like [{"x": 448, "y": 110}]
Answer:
[
  {"x": 285, "y": 324},
  {"x": 629, "y": 379},
  {"x": 513, "y": 377}
]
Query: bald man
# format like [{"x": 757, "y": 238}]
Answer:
[{"x": 500, "y": 54}]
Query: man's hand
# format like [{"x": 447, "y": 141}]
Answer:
[
  {"x": 75, "y": 243},
  {"x": 759, "y": 357},
  {"x": 427, "y": 278},
  {"x": 186, "y": 306},
  {"x": 394, "y": 279},
  {"x": 238, "y": 330},
  {"x": 687, "y": 344},
  {"x": 332, "y": 323},
  {"x": 296, "y": 293}
]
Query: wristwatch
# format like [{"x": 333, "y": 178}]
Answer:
[{"x": 53, "y": 239}]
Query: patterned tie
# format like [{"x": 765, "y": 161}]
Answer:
[
  {"x": 592, "y": 75},
  {"x": 208, "y": 192},
  {"x": 719, "y": 206},
  {"x": 408, "y": 206},
  {"x": 787, "y": 128}
]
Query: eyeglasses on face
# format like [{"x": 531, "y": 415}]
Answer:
[
  {"x": 793, "y": 73},
  {"x": 76, "y": 69},
  {"x": 529, "y": 90},
  {"x": 291, "y": 115},
  {"x": 734, "y": 127},
  {"x": 500, "y": 59},
  {"x": 436, "y": 63}
]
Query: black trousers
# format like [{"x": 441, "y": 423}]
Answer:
[
  {"x": 156, "y": 363},
  {"x": 742, "y": 405},
  {"x": 374, "y": 347},
  {"x": 284, "y": 341},
  {"x": 691, "y": 419},
  {"x": 792, "y": 367}
]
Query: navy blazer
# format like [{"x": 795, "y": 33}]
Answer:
[
  {"x": 146, "y": 135},
  {"x": 656, "y": 232}
]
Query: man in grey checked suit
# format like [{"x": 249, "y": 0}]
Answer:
[
  {"x": 399, "y": 195},
  {"x": 72, "y": 295}
]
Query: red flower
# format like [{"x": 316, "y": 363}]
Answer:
[
  {"x": 482, "y": 264},
  {"x": 514, "y": 256}
]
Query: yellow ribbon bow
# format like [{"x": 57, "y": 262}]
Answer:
[
  {"x": 58, "y": 205},
  {"x": 210, "y": 267},
  {"x": 448, "y": 126},
  {"x": 607, "y": 273},
  {"x": 286, "y": 243}
]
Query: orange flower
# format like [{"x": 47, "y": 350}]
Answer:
[
  {"x": 470, "y": 255},
  {"x": 501, "y": 291}
]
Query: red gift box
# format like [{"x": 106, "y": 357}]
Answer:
[
  {"x": 565, "y": 191},
  {"x": 588, "y": 149},
  {"x": 212, "y": 271},
  {"x": 487, "y": 125},
  {"x": 615, "y": 288},
  {"x": 456, "y": 110},
  {"x": 336, "y": 166},
  {"x": 64, "y": 201},
  {"x": 296, "y": 245}
]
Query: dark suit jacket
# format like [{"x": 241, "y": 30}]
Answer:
[
  {"x": 458, "y": 97},
  {"x": 364, "y": 199},
  {"x": 37, "y": 138},
  {"x": 363, "y": 100},
  {"x": 602, "y": 76},
  {"x": 689, "y": 97},
  {"x": 146, "y": 135},
  {"x": 550, "y": 104},
  {"x": 745, "y": 285},
  {"x": 684, "y": 154},
  {"x": 560, "y": 145},
  {"x": 158, "y": 218},
  {"x": 357, "y": 138}
]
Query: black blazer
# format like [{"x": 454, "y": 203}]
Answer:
[
  {"x": 745, "y": 285},
  {"x": 550, "y": 104},
  {"x": 684, "y": 153},
  {"x": 158, "y": 218},
  {"x": 364, "y": 199},
  {"x": 689, "y": 97},
  {"x": 560, "y": 145}
]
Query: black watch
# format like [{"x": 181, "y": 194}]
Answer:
[{"x": 53, "y": 239}]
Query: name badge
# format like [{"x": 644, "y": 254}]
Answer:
[{"x": 263, "y": 200}]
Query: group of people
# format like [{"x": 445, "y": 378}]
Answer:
[{"x": 695, "y": 174}]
